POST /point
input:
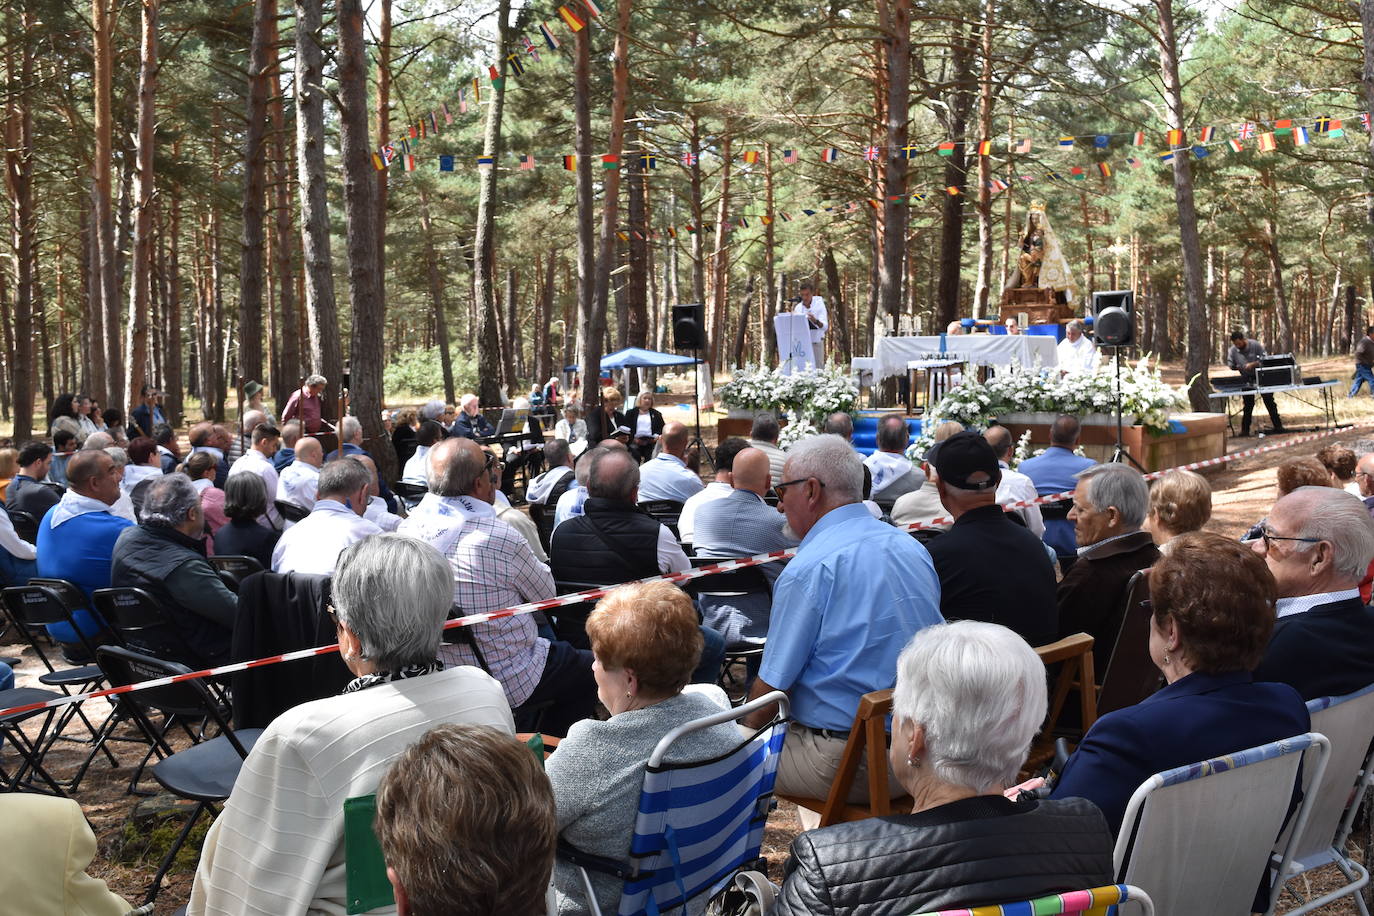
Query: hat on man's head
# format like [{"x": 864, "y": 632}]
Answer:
[
  {"x": 966, "y": 461},
  {"x": 251, "y": 388}
]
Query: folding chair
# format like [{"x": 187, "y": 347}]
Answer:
[
  {"x": 412, "y": 493},
  {"x": 867, "y": 742},
  {"x": 203, "y": 773},
  {"x": 25, "y": 525},
  {"x": 32, "y": 607},
  {"x": 236, "y": 568},
  {"x": 141, "y": 622},
  {"x": 1074, "y": 655},
  {"x": 570, "y": 622},
  {"x": 30, "y": 750},
  {"x": 542, "y": 515},
  {"x": 697, "y": 822},
  {"x": 1198, "y": 837},
  {"x": 665, "y": 511},
  {"x": 1095, "y": 901},
  {"x": 1131, "y": 675},
  {"x": 1348, "y": 723}
]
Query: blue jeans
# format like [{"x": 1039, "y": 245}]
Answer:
[
  {"x": 1363, "y": 374},
  {"x": 712, "y": 654},
  {"x": 14, "y": 571}
]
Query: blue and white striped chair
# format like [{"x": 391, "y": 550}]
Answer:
[
  {"x": 699, "y": 822},
  {"x": 1197, "y": 838},
  {"x": 1348, "y": 723}
]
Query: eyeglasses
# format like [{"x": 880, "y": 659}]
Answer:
[
  {"x": 492, "y": 462},
  {"x": 1268, "y": 537},
  {"x": 333, "y": 614},
  {"x": 779, "y": 487}
]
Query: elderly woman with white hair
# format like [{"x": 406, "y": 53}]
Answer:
[
  {"x": 278, "y": 845},
  {"x": 969, "y": 698}
]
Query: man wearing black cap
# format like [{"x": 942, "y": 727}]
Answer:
[
  {"x": 991, "y": 567},
  {"x": 1244, "y": 357}
]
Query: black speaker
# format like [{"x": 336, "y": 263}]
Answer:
[
  {"x": 689, "y": 332},
  {"x": 1114, "y": 318}
]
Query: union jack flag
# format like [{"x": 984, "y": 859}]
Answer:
[
  {"x": 689, "y": 159},
  {"x": 1364, "y": 120},
  {"x": 871, "y": 153},
  {"x": 1245, "y": 131}
]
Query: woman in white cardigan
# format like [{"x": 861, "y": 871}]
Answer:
[{"x": 277, "y": 848}]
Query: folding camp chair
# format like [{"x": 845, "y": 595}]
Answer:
[
  {"x": 237, "y": 566},
  {"x": 203, "y": 773},
  {"x": 1197, "y": 838},
  {"x": 30, "y": 750},
  {"x": 1348, "y": 723},
  {"x": 697, "y": 822},
  {"x": 1095, "y": 901}
]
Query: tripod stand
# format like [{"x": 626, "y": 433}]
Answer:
[
  {"x": 696, "y": 411},
  {"x": 1121, "y": 451}
]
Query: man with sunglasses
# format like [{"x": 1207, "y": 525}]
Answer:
[
  {"x": 854, "y": 595},
  {"x": 1318, "y": 542}
]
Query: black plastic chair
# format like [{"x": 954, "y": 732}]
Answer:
[
  {"x": 203, "y": 773},
  {"x": 543, "y": 517},
  {"x": 25, "y": 525},
  {"x": 141, "y": 622},
  {"x": 410, "y": 493},
  {"x": 35, "y": 606},
  {"x": 31, "y": 750},
  {"x": 290, "y": 511},
  {"x": 238, "y": 567},
  {"x": 570, "y": 623},
  {"x": 665, "y": 511}
]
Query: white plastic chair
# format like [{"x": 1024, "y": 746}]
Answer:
[
  {"x": 1348, "y": 722},
  {"x": 1197, "y": 838}
]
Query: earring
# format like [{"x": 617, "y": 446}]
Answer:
[
  {"x": 914, "y": 762},
  {"x": 1166, "y": 659}
]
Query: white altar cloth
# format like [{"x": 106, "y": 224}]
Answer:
[{"x": 893, "y": 353}]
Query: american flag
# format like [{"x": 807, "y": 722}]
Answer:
[
  {"x": 789, "y": 156},
  {"x": 871, "y": 153},
  {"x": 1245, "y": 131},
  {"x": 526, "y": 163}
]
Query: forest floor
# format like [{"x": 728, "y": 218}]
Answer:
[{"x": 133, "y": 832}]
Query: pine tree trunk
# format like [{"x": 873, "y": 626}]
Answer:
[
  {"x": 172, "y": 404},
  {"x": 1199, "y": 345},
  {"x": 140, "y": 289},
  {"x": 591, "y": 321},
  {"x": 487, "y": 338},
  {"x": 955, "y": 176},
  {"x": 252, "y": 266},
  {"x": 360, "y": 210},
  {"x": 322, "y": 313},
  {"x": 283, "y": 246},
  {"x": 768, "y": 336},
  {"x": 436, "y": 296},
  {"x": 104, "y": 266},
  {"x": 19, "y": 161},
  {"x": 383, "y": 121}
]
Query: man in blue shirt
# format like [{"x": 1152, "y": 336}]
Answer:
[
  {"x": 76, "y": 539},
  {"x": 1056, "y": 471},
  {"x": 844, "y": 608},
  {"x": 667, "y": 476}
]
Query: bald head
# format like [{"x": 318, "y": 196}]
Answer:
[
  {"x": 1364, "y": 473},
  {"x": 675, "y": 438},
  {"x": 97, "y": 442},
  {"x": 454, "y": 467},
  {"x": 613, "y": 443},
  {"x": 999, "y": 437},
  {"x": 251, "y": 420},
  {"x": 751, "y": 471},
  {"x": 367, "y": 462},
  {"x": 309, "y": 451}
]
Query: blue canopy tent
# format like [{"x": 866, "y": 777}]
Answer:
[{"x": 640, "y": 358}]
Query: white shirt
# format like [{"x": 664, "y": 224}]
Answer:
[
  {"x": 817, "y": 311},
  {"x": 686, "y": 521},
  {"x": 313, "y": 544},
  {"x": 1301, "y": 604},
  {"x": 886, "y": 468},
  {"x": 1017, "y": 487},
  {"x": 667, "y": 477},
  {"x": 13, "y": 544},
  {"x": 255, "y": 462},
  {"x": 134, "y": 474},
  {"x": 671, "y": 556},
  {"x": 644, "y": 425},
  {"x": 569, "y": 504},
  {"x": 298, "y": 484},
  {"x": 417, "y": 467},
  {"x": 1077, "y": 355},
  {"x": 278, "y": 845},
  {"x": 379, "y": 514},
  {"x": 541, "y": 486},
  {"x": 776, "y": 457}
]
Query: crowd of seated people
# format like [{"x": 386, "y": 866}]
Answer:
[{"x": 1242, "y": 632}]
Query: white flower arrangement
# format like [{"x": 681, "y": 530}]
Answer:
[
  {"x": 806, "y": 397},
  {"x": 1146, "y": 400}
]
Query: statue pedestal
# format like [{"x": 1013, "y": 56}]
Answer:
[{"x": 1038, "y": 304}]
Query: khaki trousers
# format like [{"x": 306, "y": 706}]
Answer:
[{"x": 808, "y": 765}]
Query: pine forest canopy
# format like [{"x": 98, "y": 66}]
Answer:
[{"x": 478, "y": 193}]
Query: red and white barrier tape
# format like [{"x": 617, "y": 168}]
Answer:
[{"x": 596, "y": 593}]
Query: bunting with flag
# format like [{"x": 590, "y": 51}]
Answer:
[
  {"x": 1205, "y": 135},
  {"x": 985, "y": 147},
  {"x": 1300, "y": 136},
  {"x": 549, "y": 38},
  {"x": 789, "y": 156},
  {"x": 610, "y": 161},
  {"x": 571, "y": 19},
  {"x": 1245, "y": 131},
  {"x": 1102, "y": 141},
  {"x": 1267, "y": 143},
  {"x": 1174, "y": 138},
  {"x": 1138, "y": 138},
  {"x": 1236, "y": 145},
  {"x": 1066, "y": 142},
  {"x": 946, "y": 148},
  {"x": 1024, "y": 145},
  {"x": 830, "y": 154},
  {"x": 526, "y": 163},
  {"x": 570, "y": 163},
  {"x": 870, "y": 154},
  {"x": 751, "y": 157}
]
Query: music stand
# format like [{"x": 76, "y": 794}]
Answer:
[
  {"x": 696, "y": 411},
  {"x": 1121, "y": 451}
]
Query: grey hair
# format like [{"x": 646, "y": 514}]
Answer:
[
  {"x": 394, "y": 592},
  {"x": 839, "y": 424},
  {"x": 169, "y": 501},
  {"x": 349, "y": 427},
  {"x": 613, "y": 482},
  {"x": 316, "y": 380},
  {"x": 893, "y": 433},
  {"x": 1122, "y": 486},
  {"x": 1074, "y": 324},
  {"x": 556, "y": 453},
  {"x": 833, "y": 462},
  {"x": 432, "y": 410},
  {"x": 118, "y": 455},
  {"x": 1341, "y": 519},
  {"x": 453, "y": 470},
  {"x": 343, "y": 477},
  {"x": 979, "y": 692},
  {"x": 467, "y": 399},
  {"x": 252, "y": 419}
]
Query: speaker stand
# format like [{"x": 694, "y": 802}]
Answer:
[
  {"x": 1121, "y": 452},
  {"x": 696, "y": 411}
]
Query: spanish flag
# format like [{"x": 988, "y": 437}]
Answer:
[
  {"x": 1267, "y": 143},
  {"x": 1175, "y": 138},
  {"x": 751, "y": 157},
  {"x": 571, "y": 20},
  {"x": 985, "y": 148}
]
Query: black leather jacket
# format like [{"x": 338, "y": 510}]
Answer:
[{"x": 978, "y": 851}]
